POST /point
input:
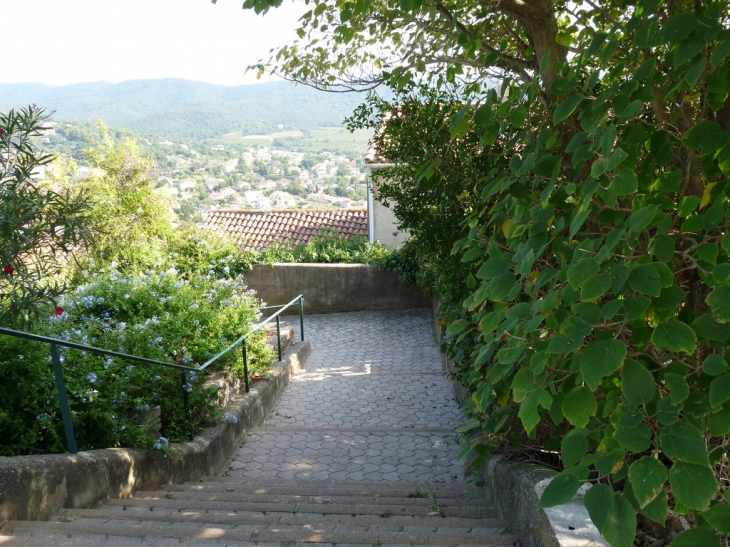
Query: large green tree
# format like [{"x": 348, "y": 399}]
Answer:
[{"x": 580, "y": 152}]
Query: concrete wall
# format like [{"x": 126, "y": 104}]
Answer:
[
  {"x": 35, "y": 487},
  {"x": 330, "y": 288},
  {"x": 385, "y": 223}
]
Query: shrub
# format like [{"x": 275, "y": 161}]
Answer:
[
  {"x": 38, "y": 225},
  {"x": 159, "y": 315},
  {"x": 328, "y": 246}
]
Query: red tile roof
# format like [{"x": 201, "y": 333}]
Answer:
[{"x": 255, "y": 229}]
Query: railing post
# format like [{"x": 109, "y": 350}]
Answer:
[
  {"x": 278, "y": 335},
  {"x": 68, "y": 424},
  {"x": 301, "y": 316},
  {"x": 245, "y": 366},
  {"x": 186, "y": 403}
]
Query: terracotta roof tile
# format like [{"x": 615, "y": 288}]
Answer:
[{"x": 254, "y": 229}]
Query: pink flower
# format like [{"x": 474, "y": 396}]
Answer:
[{"x": 9, "y": 270}]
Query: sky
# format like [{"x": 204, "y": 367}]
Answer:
[{"x": 61, "y": 42}]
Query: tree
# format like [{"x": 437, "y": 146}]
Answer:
[
  {"x": 129, "y": 220},
  {"x": 588, "y": 200},
  {"x": 40, "y": 228}
]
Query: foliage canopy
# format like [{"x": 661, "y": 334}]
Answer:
[{"x": 585, "y": 262}]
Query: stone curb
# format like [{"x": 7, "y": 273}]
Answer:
[
  {"x": 515, "y": 488},
  {"x": 34, "y": 487}
]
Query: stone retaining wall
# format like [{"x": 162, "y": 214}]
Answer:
[
  {"x": 331, "y": 288},
  {"x": 34, "y": 487}
]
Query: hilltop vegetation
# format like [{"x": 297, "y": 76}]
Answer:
[{"x": 181, "y": 109}]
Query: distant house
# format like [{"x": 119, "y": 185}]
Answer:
[
  {"x": 187, "y": 186},
  {"x": 255, "y": 230},
  {"x": 282, "y": 200},
  {"x": 267, "y": 185},
  {"x": 323, "y": 198}
]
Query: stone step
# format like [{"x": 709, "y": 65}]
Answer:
[
  {"x": 229, "y": 494},
  {"x": 432, "y": 523},
  {"x": 408, "y": 490},
  {"x": 254, "y": 532},
  {"x": 404, "y": 485},
  {"x": 302, "y": 507}
]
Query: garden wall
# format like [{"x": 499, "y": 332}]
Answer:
[
  {"x": 34, "y": 487},
  {"x": 330, "y": 288}
]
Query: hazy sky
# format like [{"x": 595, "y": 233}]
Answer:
[{"x": 68, "y": 41}]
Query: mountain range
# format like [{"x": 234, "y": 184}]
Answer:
[{"x": 176, "y": 108}]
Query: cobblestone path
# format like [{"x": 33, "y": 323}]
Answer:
[{"x": 372, "y": 404}]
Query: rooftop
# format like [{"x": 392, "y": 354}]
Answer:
[{"x": 255, "y": 229}]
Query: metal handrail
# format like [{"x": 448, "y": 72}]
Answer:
[{"x": 61, "y": 383}]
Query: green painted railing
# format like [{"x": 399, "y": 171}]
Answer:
[{"x": 61, "y": 384}]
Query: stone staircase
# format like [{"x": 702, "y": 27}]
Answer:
[{"x": 227, "y": 511}]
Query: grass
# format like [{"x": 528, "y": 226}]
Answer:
[{"x": 335, "y": 139}]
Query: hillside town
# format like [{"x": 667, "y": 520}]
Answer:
[{"x": 264, "y": 175}]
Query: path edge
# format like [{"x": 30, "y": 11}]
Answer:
[
  {"x": 35, "y": 487},
  {"x": 515, "y": 487}
]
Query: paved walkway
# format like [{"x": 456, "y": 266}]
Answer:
[{"x": 372, "y": 404}]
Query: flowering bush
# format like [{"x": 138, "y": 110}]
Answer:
[{"x": 159, "y": 315}]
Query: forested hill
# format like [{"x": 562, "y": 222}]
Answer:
[{"x": 177, "y": 108}]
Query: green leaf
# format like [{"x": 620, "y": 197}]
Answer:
[
  {"x": 595, "y": 286},
  {"x": 492, "y": 268},
  {"x": 457, "y": 326},
  {"x": 483, "y": 115},
  {"x": 658, "y": 509},
  {"x": 599, "y": 502},
  {"x": 683, "y": 443},
  {"x": 675, "y": 28},
  {"x": 707, "y": 327},
  {"x": 620, "y": 527},
  {"x": 718, "y": 301},
  {"x": 720, "y": 390},
  {"x": 696, "y": 537},
  {"x": 721, "y": 273},
  {"x": 635, "y": 439},
  {"x": 640, "y": 219},
  {"x": 635, "y": 307},
  {"x": 573, "y": 447},
  {"x": 693, "y": 485},
  {"x": 529, "y": 409},
  {"x": 579, "y": 405},
  {"x": 562, "y": 489},
  {"x": 674, "y": 336},
  {"x": 601, "y": 359},
  {"x": 566, "y": 107},
  {"x": 545, "y": 166},
  {"x": 687, "y": 205},
  {"x": 699, "y": 132},
  {"x": 678, "y": 386},
  {"x": 714, "y": 365},
  {"x": 581, "y": 270},
  {"x": 719, "y": 517},
  {"x": 667, "y": 413},
  {"x": 637, "y": 383},
  {"x": 624, "y": 183},
  {"x": 518, "y": 115},
  {"x": 720, "y": 422},
  {"x": 471, "y": 254},
  {"x": 721, "y": 50},
  {"x": 647, "y": 476},
  {"x": 645, "y": 279},
  {"x": 670, "y": 298}
]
